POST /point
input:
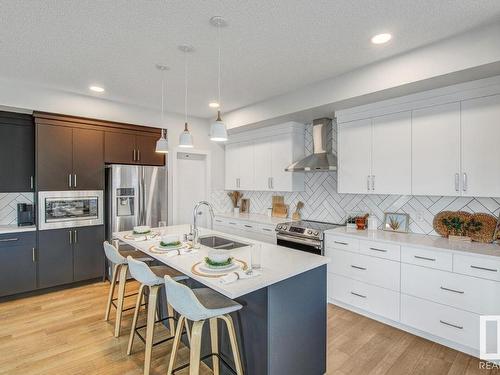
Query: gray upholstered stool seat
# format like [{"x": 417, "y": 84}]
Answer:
[
  {"x": 199, "y": 305},
  {"x": 151, "y": 278}
]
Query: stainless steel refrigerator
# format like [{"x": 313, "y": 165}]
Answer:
[{"x": 135, "y": 195}]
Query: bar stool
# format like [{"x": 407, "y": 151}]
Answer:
[
  {"x": 153, "y": 279},
  {"x": 199, "y": 305},
  {"x": 120, "y": 267}
]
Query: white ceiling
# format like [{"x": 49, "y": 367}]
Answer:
[{"x": 269, "y": 47}]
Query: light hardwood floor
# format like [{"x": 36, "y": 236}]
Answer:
[{"x": 63, "y": 332}]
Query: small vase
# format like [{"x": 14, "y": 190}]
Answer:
[{"x": 236, "y": 211}]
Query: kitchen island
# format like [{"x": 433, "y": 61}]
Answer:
[{"x": 282, "y": 326}]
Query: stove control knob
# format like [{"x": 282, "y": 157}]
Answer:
[
  {"x": 279, "y": 227},
  {"x": 316, "y": 233},
  {"x": 284, "y": 227},
  {"x": 309, "y": 231}
]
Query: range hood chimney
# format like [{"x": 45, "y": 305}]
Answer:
[{"x": 322, "y": 158}]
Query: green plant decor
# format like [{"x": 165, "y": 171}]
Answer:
[
  {"x": 455, "y": 226},
  {"x": 394, "y": 223},
  {"x": 170, "y": 244}
]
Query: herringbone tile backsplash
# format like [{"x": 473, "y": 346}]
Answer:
[
  {"x": 323, "y": 203},
  {"x": 8, "y": 206}
]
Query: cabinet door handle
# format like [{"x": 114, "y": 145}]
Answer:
[
  {"x": 33, "y": 254},
  {"x": 75, "y": 236},
  {"x": 457, "y": 182},
  {"x": 31, "y": 182},
  {"x": 358, "y": 267},
  {"x": 424, "y": 258},
  {"x": 464, "y": 182},
  {"x": 70, "y": 237},
  {"x": 248, "y": 226},
  {"x": 69, "y": 180},
  {"x": 9, "y": 239},
  {"x": 272, "y": 183},
  {"x": 267, "y": 229},
  {"x": 484, "y": 268},
  {"x": 373, "y": 182},
  {"x": 379, "y": 250},
  {"x": 358, "y": 295},
  {"x": 340, "y": 243},
  {"x": 452, "y": 290},
  {"x": 451, "y": 325},
  {"x": 133, "y": 155},
  {"x": 74, "y": 180},
  {"x": 138, "y": 155},
  {"x": 368, "y": 182}
]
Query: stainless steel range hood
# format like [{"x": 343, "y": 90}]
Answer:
[{"x": 322, "y": 158}]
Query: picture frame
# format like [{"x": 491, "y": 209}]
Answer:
[
  {"x": 244, "y": 206},
  {"x": 396, "y": 222}
]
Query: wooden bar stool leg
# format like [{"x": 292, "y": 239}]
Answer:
[
  {"x": 171, "y": 323},
  {"x": 234, "y": 343},
  {"x": 215, "y": 345},
  {"x": 111, "y": 291},
  {"x": 121, "y": 297},
  {"x": 134, "y": 321},
  {"x": 194, "y": 356},
  {"x": 175, "y": 344},
  {"x": 150, "y": 326}
]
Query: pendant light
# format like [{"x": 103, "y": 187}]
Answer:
[
  {"x": 185, "y": 139},
  {"x": 162, "y": 143},
  {"x": 218, "y": 131}
]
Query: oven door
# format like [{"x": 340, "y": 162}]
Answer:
[
  {"x": 300, "y": 243},
  {"x": 67, "y": 209}
]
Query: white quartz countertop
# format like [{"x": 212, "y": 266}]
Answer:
[
  {"x": 278, "y": 262},
  {"x": 255, "y": 218},
  {"x": 420, "y": 240},
  {"x": 5, "y": 229}
]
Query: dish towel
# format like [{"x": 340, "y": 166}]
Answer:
[{"x": 237, "y": 275}]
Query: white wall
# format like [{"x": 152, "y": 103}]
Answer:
[
  {"x": 472, "y": 55},
  {"x": 26, "y": 97}
]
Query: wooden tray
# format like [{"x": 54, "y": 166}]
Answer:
[
  {"x": 487, "y": 231},
  {"x": 438, "y": 225}
]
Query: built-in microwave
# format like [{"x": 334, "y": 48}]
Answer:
[{"x": 66, "y": 209}]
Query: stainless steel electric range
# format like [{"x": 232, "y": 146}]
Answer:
[{"x": 305, "y": 235}]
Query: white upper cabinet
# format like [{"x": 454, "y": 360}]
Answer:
[
  {"x": 263, "y": 164},
  {"x": 436, "y": 150},
  {"x": 481, "y": 147},
  {"x": 256, "y": 160},
  {"x": 391, "y": 154},
  {"x": 354, "y": 156}
]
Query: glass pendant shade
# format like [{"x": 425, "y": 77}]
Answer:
[
  {"x": 218, "y": 131},
  {"x": 186, "y": 139},
  {"x": 162, "y": 143}
]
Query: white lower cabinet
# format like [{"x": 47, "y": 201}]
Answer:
[
  {"x": 437, "y": 294},
  {"x": 439, "y": 320},
  {"x": 248, "y": 229},
  {"x": 368, "y": 297}
]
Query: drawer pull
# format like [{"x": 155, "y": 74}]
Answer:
[
  {"x": 484, "y": 268},
  {"x": 452, "y": 290},
  {"x": 450, "y": 324},
  {"x": 380, "y": 250},
  {"x": 424, "y": 258},
  {"x": 358, "y": 295},
  {"x": 248, "y": 226},
  {"x": 358, "y": 267},
  {"x": 267, "y": 229},
  {"x": 232, "y": 223},
  {"x": 9, "y": 239},
  {"x": 341, "y": 243}
]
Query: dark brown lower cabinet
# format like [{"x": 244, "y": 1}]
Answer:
[
  {"x": 17, "y": 263},
  {"x": 88, "y": 253},
  {"x": 70, "y": 254}
]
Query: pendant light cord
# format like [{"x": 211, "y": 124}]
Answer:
[
  {"x": 219, "y": 73},
  {"x": 185, "y": 87}
]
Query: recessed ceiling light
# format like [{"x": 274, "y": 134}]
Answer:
[
  {"x": 381, "y": 38},
  {"x": 96, "y": 88},
  {"x": 213, "y": 105}
]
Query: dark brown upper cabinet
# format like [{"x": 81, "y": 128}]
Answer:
[
  {"x": 129, "y": 148},
  {"x": 17, "y": 152},
  {"x": 69, "y": 158}
]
